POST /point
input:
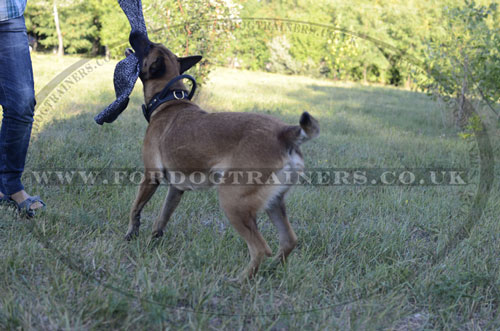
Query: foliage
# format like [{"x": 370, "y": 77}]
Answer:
[
  {"x": 329, "y": 38},
  {"x": 201, "y": 27},
  {"x": 113, "y": 25},
  {"x": 463, "y": 58},
  {"x": 281, "y": 60},
  {"x": 77, "y": 20}
]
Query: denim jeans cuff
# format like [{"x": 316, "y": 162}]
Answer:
[{"x": 11, "y": 189}]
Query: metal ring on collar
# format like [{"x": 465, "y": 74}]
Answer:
[{"x": 178, "y": 98}]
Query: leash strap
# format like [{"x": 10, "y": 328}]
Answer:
[{"x": 167, "y": 95}]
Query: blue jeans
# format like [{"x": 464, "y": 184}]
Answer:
[{"x": 17, "y": 97}]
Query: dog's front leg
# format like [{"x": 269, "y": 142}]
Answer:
[
  {"x": 146, "y": 191},
  {"x": 171, "y": 202}
]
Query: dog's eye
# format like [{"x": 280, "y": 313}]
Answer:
[{"x": 157, "y": 68}]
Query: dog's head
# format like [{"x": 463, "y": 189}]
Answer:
[{"x": 158, "y": 63}]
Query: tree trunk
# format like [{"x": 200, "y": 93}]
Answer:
[
  {"x": 464, "y": 109},
  {"x": 464, "y": 112},
  {"x": 60, "y": 48},
  {"x": 408, "y": 82},
  {"x": 95, "y": 48}
]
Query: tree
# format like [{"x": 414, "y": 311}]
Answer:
[
  {"x": 463, "y": 59},
  {"x": 189, "y": 27},
  {"x": 113, "y": 27},
  {"x": 60, "y": 45},
  {"x": 76, "y": 19}
]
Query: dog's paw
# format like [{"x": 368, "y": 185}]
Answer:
[
  {"x": 132, "y": 234},
  {"x": 157, "y": 234}
]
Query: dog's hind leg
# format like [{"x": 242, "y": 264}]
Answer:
[
  {"x": 288, "y": 240},
  {"x": 171, "y": 202},
  {"x": 146, "y": 190},
  {"x": 245, "y": 223},
  {"x": 243, "y": 218}
]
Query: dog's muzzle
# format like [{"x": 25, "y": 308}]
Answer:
[{"x": 140, "y": 43}]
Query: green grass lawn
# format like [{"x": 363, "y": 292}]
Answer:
[{"x": 366, "y": 257}]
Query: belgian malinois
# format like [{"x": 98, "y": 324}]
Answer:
[{"x": 183, "y": 137}]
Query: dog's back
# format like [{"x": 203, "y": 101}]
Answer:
[{"x": 193, "y": 139}]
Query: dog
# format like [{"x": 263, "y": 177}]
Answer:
[{"x": 183, "y": 137}]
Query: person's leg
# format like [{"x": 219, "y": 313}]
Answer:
[{"x": 17, "y": 97}]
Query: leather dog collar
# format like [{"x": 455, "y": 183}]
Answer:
[{"x": 167, "y": 95}]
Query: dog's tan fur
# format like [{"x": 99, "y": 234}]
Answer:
[{"x": 183, "y": 137}]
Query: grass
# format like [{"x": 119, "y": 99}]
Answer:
[{"x": 366, "y": 254}]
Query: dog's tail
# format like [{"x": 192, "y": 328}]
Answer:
[{"x": 296, "y": 135}]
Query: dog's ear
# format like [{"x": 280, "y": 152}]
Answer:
[
  {"x": 188, "y": 61},
  {"x": 157, "y": 68}
]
